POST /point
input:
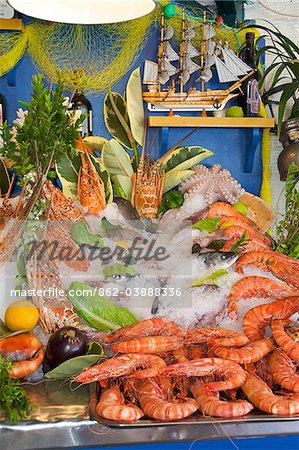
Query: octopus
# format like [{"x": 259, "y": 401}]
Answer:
[{"x": 213, "y": 184}]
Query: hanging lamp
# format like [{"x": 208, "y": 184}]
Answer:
[{"x": 85, "y": 12}]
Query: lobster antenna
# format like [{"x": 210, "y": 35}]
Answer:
[
  {"x": 178, "y": 143},
  {"x": 150, "y": 147},
  {"x": 144, "y": 140}
]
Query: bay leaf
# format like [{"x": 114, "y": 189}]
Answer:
[{"x": 73, "y": 367}]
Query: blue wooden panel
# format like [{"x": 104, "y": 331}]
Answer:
[{"x": 278, "y": 443}]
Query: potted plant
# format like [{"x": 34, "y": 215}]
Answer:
[{"x": 283, "y": 74}]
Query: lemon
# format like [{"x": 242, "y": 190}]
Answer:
[
  {"x": 21, "y": 315},
  {"x": 241, "y": 208},
  {"x": 234, "y": 111}
]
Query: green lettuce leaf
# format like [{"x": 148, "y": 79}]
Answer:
[
  {"x": 98, "y": 312},
  {"x": 82, "y": 234}
]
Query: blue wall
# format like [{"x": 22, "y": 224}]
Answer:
[{"x": 229, "y": 145}]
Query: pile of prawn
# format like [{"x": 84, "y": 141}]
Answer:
[{"x": 163, "y": 372}]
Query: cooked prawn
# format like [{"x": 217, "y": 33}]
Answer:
[
  {"x": 220, "y": 209},
  {"x": 248, "y": 354},
  {"x": 256, "y": 286},
  {"x": 259, "y": 393},
  {"x": 284, "y": 340},
  {"x": 284, "y": 371},
  {"x": 123, "y": 365},
  {"x": 112, "y": 406},
  {"x": 218, "y": 337},
  {"x": 155, "y": 401},
  {"x": 236, "y": 232},
  {"x": 249, "y": 246},
  {"x": 270, "y": 261},
  {"x": 144, "y": 328},
  {"x": 257, "y": 318},
  {"x": 23, "y": 345},
  {"x": 150, "y": 344},
  {"x": 233, "y": 373},
  {"x": 211, "y": 405}
]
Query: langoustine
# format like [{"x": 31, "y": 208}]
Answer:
[{"x": 25, "y": 345}]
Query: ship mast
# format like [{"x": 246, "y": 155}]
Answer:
[
  {"x": 203, "y": 48},
  {"x": 161, "y": 49},
  {"x": 182, "y": 51}
]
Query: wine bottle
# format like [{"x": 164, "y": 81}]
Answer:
[
  {"x": 81, "y": 103},
  {"x": 1, "y": 110},
  {"x": 250, "y": 99}
]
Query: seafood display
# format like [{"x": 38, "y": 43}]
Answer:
[{"x": 174, "y": 302}]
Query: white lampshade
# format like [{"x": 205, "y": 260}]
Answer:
[{"x": 85, "y": 12}]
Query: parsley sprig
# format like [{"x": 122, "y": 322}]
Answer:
[{"x": 13, "y": 397}]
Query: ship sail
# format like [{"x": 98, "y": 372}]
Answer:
[
  {"x": 169, "y": 33},
  {"x": 151, "y": 70},
  {"x": 166, "y": 70},
  {"x": 234, "y": 63},
  {"x": 224, "y": 74},
  {"x": 170, "y": 54}
]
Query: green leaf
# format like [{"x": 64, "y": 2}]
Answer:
[
  {"x": 135, "y": 106},
  {"x": 68, "y": 176},
  {"x": 286, "y": 95},
  {"x": 175, "y": 177},
  {"x": 213, "y": 277},
  {"x": 4, "y": 178},
  {"x": 116, "y": 160},
  {"x": 95, "y": 142},
  {"x": 117, "y": 119},
  {"x": 82, "y": 234},
  {"x": 72, "y": 367},
  {"x": 123, "y": 186},
  {"x": 105, "y": 177},
  {"x": 5, "y": 332},
  {"x": 207, "y": 225},
  {"x": 98, "y": 312},
  {"x": 184, "y": 158}
]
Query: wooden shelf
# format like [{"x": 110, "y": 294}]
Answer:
[
  {"x": 210, "y": 122},
  {"x": 11, "y": 24}
]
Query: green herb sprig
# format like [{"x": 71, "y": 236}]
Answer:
[
  {"x": 242, "y": 242},
  {"x": 287, "y": 232},
  {"x": 47, "y": 126},
  {"x": 13, "y": 397}
]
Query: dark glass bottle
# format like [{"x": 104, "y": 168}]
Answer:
[
  {"x": 81, "y": 103},
  {"x": 1, "y": 110},
  {"x": 250, "y": 99}
]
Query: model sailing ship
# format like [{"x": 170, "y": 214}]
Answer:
[{"x": 228, "y": 67}]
